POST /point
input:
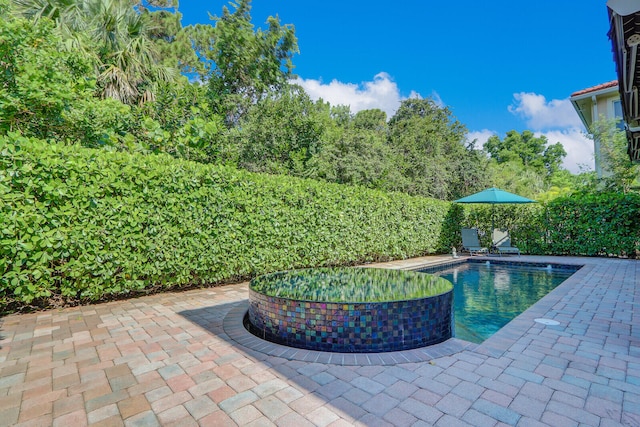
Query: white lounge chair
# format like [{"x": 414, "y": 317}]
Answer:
[
  {"x": 471, "y": 242},
  {"x": 502, "y": 243}
]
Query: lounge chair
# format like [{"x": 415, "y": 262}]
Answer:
[
  {"x": 502, "y": 243},
  {"x": 471, "y": 242}
]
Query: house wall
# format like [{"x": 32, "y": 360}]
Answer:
[
  {"x": 596, "y": 105},
  {"x": 605, "y": 107}
]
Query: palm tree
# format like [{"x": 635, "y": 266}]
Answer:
[
  {"x": 62, "y": 12},
  {"x": 115, "y": 35},
  {"x": 129, "y": 64}
]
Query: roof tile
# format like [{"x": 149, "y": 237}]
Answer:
[{"x": 612, "y": 83}]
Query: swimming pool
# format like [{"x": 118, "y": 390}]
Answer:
[{"x": 489, "y": 294}]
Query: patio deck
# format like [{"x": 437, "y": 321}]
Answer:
[{"x": 182, "y": 359}]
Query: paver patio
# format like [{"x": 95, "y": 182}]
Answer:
[{"x": 183, "y": 359}]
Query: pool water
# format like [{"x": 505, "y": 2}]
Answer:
[
  {"x": 488, "y": 295},
  {"x": 349, "y": 285}
]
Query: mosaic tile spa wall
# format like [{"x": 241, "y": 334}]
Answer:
[{"x": 352, "y": 327}]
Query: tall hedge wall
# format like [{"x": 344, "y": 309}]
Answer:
[
  {"x": 601, "y": 224},
  {"x": 79, "y": 224},
  {"x": 82, "y": 224},
  {"x": 593, "y": 225}
]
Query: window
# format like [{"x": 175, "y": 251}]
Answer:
[{"x": 617, "y": 113}]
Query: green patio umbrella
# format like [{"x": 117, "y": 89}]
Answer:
[{"x": 494, "y": 196}]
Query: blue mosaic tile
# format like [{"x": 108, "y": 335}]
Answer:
[{"x": 352, "y": 327}]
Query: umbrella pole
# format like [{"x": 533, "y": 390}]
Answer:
[
  {"x": 492, "y": 219},
  {"x": 492, "y": 222}
]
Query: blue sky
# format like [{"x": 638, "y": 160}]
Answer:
[{"x": 498, "y": 65}]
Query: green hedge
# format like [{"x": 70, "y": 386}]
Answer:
[
  {"x": 605, "y": 224},
  {"x": 524, "y": 223},
  {"x": 601, "y": 224},
  {"x": 81, "y": 224}
]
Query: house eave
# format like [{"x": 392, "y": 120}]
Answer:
[
  {"x": 583, "y": 102},
  {"x": 624, "y": 18},
  {"x": 588, "y": 95}
]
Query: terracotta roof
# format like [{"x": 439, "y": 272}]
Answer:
[{"x": 612, "y": 83}]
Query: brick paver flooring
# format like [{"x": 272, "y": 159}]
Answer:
[{"x": 169, "y": 360}]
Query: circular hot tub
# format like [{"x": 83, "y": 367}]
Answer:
[{"x": 351, "y": 310}]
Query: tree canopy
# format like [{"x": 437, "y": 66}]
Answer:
[
  {"x": 620, "y": 174},
  {"x": 126, "y": 75},
  {"x": 114, "y": 35},
  {"x": 532, "y": 151}
]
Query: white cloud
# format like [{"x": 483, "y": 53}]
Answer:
[
  {"x": 381, "y": 93},
  {"x": 481, "y": 136},
  {"x": 435, "y": 96},
  {"x": 541, "y": 115},
  {"x": 555, "y": 119},
  {"x": 558, "y": 121},
  {"x": 579, "y": 148}
]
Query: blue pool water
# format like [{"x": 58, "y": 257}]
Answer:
[{"x": 487, "y": 295}]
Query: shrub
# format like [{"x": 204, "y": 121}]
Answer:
[
  {"x": 598, "y": 224},
  {"x": 83, "y": 224},
  {"x": 79, "y": 224}
]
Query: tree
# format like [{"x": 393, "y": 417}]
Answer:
[
  {"x": 341, "y": 115},
  {"x": 248, "y": 64},
  {"x": 128, "y": 65},
  {"x": 354, "y": 151},
  {"x": 471, "y": 173},
  {"x": 374, "y": 119},
  {"x": 281, "y": 132},
  {"x": 430, "y": 144},
  {"x": 68, "y": 15},
  {"x": 534, "y": 152},
  {"x": 180, "y": 122},
  {"x": 620, "y": 173},
  {"x": 552, "y": 158},
  {"x": 173, "y": 42},
  {"x": 49, "y": 92},
  {"x": 115, "y": 35},
  {"x": 38, "y": 82},
  {"x": 515, "y": 177}
]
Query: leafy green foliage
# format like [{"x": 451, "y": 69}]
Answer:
[
  {"x": 38, "y": 83},
  {"x": 281, "y": 133},
  {"x": 619, "y": 173},
  {"x": 247, "y": 114},
  {"x": 354, "y": 150},
  {"x": 49, "y": 92},
  {"x": 180, "y": 122},
  {"x": 248, "y": 63},
  {"x": 82, "y": 224},
  {"x": 596, "y": 224},
  {"x": 433, "y": 157},
  {"x": 528, "y": 165},
  {"x": 515, "y": 177},
  {"x": 601, "y": 224},
  {"x": 172, "y": 41},
  {"x": 534, "y": 152},
  {"x": 525, "y": 223},
  {"x": 114, "y": 35},
  {"x": 357, "y": 157}
]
